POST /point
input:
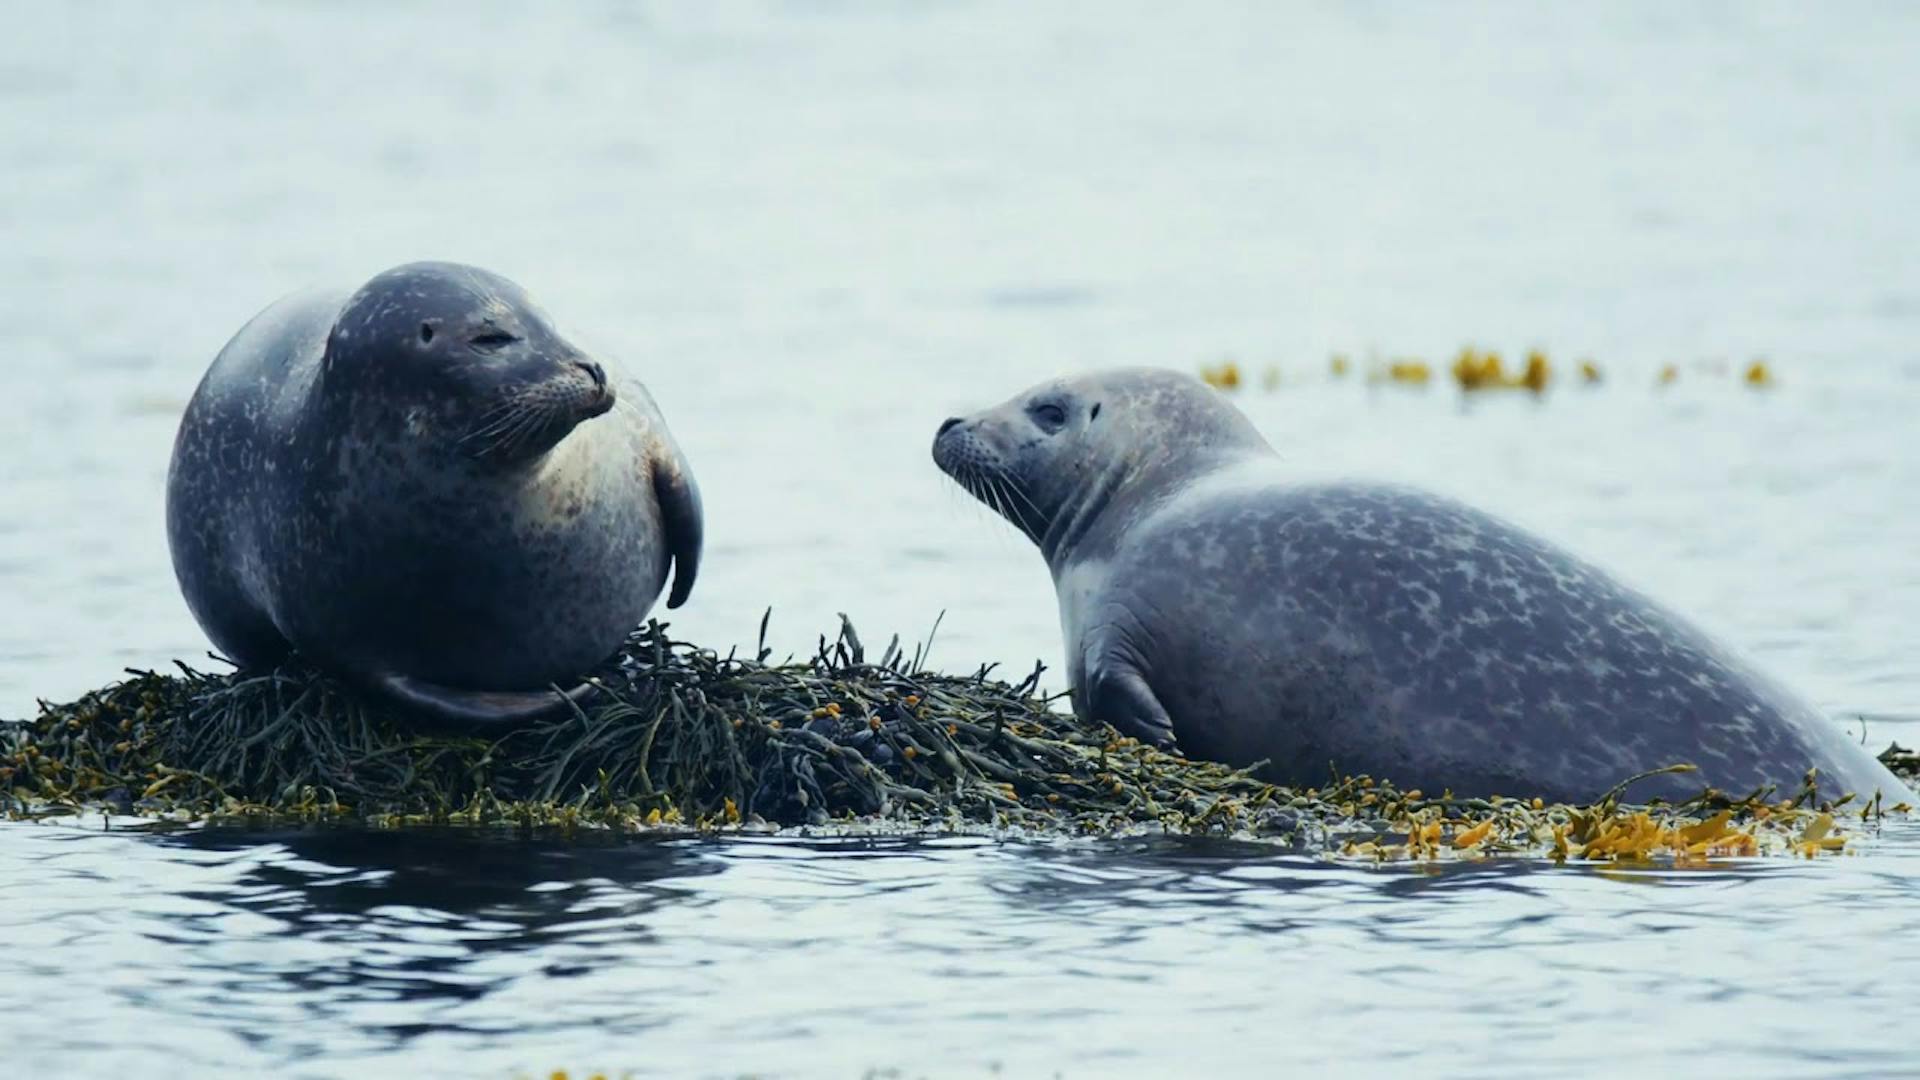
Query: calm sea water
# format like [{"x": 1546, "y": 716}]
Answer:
[{"x": 817, "y": 229}]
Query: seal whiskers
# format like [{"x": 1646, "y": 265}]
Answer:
[{"x": 499, "y": 436}]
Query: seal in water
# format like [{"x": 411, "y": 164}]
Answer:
[
  {"x": 426, "y": 488},
  {"x": 1373, "y": 629}
]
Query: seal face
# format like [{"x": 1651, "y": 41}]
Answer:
[
  {"x": 426, "y": 487},
  {"x": 1206, "y": 597}
]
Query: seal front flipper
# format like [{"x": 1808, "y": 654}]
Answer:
[
  {"x": 478, "y": 708},
  {"x": 1121, "y": 697},
  {"x": 681, "y": 517}
]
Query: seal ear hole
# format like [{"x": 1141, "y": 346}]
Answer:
[
  {"x": 426, "y": 333},
  {"x": 1095, "y": 414}
]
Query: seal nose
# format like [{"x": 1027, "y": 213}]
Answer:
[
  {"x": 595, "y": 372},
  {"x": 952, "y": 422}
]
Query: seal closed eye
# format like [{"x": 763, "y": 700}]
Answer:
[
  {"x": 1207, "y": 597},
  {"x": 425, "y": 487}
]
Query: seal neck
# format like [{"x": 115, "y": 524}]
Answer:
[
  {"x": 1067, "y": 531},
  {"x": 1122, "y": 493},
  {"x": 1122, "y": 489}
]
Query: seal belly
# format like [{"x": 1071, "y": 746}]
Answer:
[{"x": 488, "y": 589}]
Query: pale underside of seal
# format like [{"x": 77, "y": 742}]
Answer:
[
  {"x": 1208, "y": 598},
  {"x": 428, "y": 489}
]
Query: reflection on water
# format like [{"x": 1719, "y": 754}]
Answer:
[
  {"x": 320, "y": 952},
  {"x": 816, "y": 230}
]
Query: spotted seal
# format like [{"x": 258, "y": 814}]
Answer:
[
  {"x": 1209, "y": 599},
  {"x": 426, "y": 488}
]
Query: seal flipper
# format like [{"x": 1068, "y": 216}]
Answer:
[
  {"x": 683, "y": 522},
  {"x": 1121, "y": 697},
  {"x": 478, "y": 708}
]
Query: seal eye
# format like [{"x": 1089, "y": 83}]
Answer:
[
  {"x": 493, "y": 339},
  {"x": 1049, "y": 416}
]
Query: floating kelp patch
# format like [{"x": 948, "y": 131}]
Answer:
[
  {"x": 1474, "y": 370},
  {"x": 685, "y": 738},
  {"x": 1686, "y": 833}
]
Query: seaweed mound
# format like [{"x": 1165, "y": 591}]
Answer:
[
  {"x": 678, "y": 734},
  {"x": 682, "y": 737}
]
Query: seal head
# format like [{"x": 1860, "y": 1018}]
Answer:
[
  {"x": 462, "y": 360},
  {"x": 1055, "y": 460}
]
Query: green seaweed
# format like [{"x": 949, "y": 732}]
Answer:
[
  {"x": 682, "y": 737},
  {"x": 675, "y": 734}
]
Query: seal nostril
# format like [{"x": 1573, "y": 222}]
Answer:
[
  {"x": 595, "y": 372},
  {"x": 952, "y": 422}
]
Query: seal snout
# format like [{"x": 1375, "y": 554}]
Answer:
[
  {"x": 947, "y": 449},
  {"x": 601, "y": 397},
  {"x": 959, "y": 452}
]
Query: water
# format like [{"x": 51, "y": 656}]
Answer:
[
  {"x": 816, "y": 230},
  {"x": 325, "y": 954}
]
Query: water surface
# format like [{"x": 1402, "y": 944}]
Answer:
[{"x": 324, "y": 954}]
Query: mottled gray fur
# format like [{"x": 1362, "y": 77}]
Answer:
[
  {"x": 424, "y": 486},
  {"x": 1206, "y": 596}
]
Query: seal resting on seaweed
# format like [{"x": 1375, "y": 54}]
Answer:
[
  {"x": 426, "y": 488},
  {"x": 1209, "y": 598}
]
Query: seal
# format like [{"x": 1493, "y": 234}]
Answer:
[
  {"x": 424, "y": 487},
  {"x": 1209, "y": 600}
]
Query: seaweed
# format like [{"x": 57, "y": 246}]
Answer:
[
  {"x": 676, "y": 733},
  {"x": 681, "y": 737}
]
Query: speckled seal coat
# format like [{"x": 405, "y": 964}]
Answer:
[
  {"x": 1206, "y": 597},
  {"x": 424, "y": 486}
]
